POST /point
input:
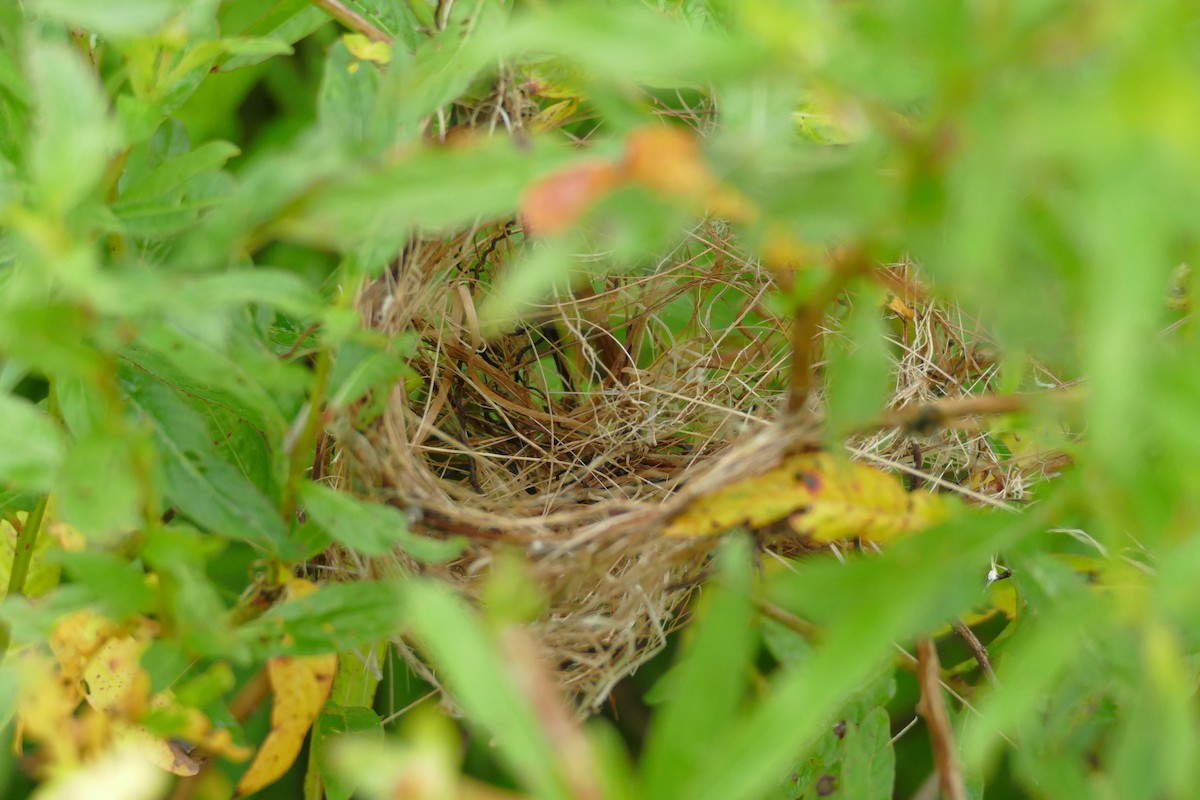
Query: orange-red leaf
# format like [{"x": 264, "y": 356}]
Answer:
[{"x": 557, "y": 202}]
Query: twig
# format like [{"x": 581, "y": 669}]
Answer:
[
  {"x": 789, "y": 620},
  {"x": 806, "y": 325},
  {"x": 977, "y": 649},
  {"x": 928, "y": 417},
  {"x": 933, "y": 708},
  {"x": 352, "y": 20}
]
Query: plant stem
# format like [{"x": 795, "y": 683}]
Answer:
[
  {"x": 301, "y": 455},
  {"x": 23, "y": 555},
  {"x": 352, "y": 20},
  {"x": 806, "y": 324}
]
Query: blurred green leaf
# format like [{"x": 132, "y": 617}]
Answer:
[
  {"x": 131, "y": 18},
  {"x": 335, "y": 721},
  {"x": 477, "y": 675},
  {"x": 372, "y": 528},
  {"x": 119, "y": 587},
  {"x": 180, "y": 556},
  {"x": 31, "y": 445},
  {"x": 893, "y": 599},
  {"x": 709, "y": 682},
  {"x": 858, "y": 375},
  {"x": 428, "y": 188},
  {"x": 339, "y": 617},
  {"x": 364, "y": 367},
  {"x": 75, "y": 134}
]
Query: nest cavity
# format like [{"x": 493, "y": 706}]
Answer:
[{"x": 572, "y": 437}]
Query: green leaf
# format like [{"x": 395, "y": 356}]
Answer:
[
  {"x": 858, "y": 375},
  {"x": 169, "y": 179},
  {"x": 893, "y": 599},
  {"x": 365, "y": 367},
  {"x": 74, "y": 135},
  {"x": 347, "y": 100},
  {"x": 371, "y": 528},
  {"x": 708, "y": 682},
  {"x": 284, "y": 21},
  {"x": 180, "y": 555},
  {"x": 99, "y": 492},
  {"x": 118, "y": 586},
  {"x": 429, "y": 188},
  {"x": 31, "y": 445},
  {"x": 337, "y": 720},
  {"x": 338, "y": 617},
  {"x": 117, "y": 21},
  {"x": 854, "y": 756},
  {"x": 472, "y": 667},
  {"x": 209, "y": 491}
]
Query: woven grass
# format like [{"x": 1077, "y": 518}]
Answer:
[{"x": 572, "y": 438}]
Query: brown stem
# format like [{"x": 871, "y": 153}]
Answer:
[
  {"x": 933, "y": 708},
  {"x": 352, "y": 20},
  {"x": 928, "y": 417},
  {"x": 790, "y": 621},
  {"x": 977, "y": 649},
  {"x": 806, "y": 325}
]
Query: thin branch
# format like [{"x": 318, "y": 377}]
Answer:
[
  {"x": 933, "y": 708},
  {"x": 790, "y": 621},
  {"x": 928, "y": 417},
  {"x": 977, "y": 649},
  {"x": 352, "y": 20}
]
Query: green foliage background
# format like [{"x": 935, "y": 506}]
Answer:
[{"x": 190, "y": 191}]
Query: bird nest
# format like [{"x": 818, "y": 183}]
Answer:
[{"x": 572, "y": 437}]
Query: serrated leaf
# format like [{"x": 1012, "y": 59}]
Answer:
[
  {"x": 821, "y": 497},
  {"x": 209, "y": 491},
  {"x": 371, "y": 528}
]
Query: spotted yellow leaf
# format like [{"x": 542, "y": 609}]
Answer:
[
  {"x": 821, "y": 497},
  {"x": 300, "y": 687},
  {"x": 89, "y": 701}
]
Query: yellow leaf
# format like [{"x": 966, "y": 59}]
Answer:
[
  {"x": 554, "y": 115},
  {"x": 364, "y": 49},
  {"x": 821, "y": 498},
  {"x": 116, "y": 684},
  {"x": 99, "y": 662},
  {"x": 123, "y": 773},
  {"x": 300, "y": 686}
]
